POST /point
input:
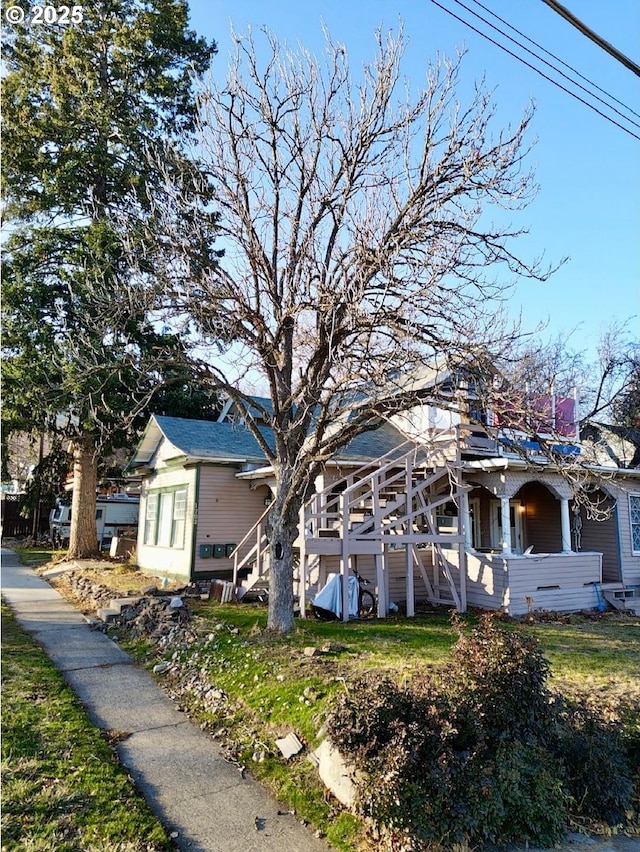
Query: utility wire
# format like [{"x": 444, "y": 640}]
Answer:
[
  {"x": 557, "y": 58},
  {"x": 549, "y": 64},
  {"x": 584, "y": 29},
  {"x": 537, "y": 70}
]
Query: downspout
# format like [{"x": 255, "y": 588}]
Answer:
[
  {"x": 619, "y": 535},
  {"x": 194, "y": 531}
]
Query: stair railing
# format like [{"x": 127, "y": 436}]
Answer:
[{"x": 257, "y": 549}]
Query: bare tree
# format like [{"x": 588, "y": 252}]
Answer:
[
  {"x": 358, "y": 244},
  {"x": 540, "y": 369}
]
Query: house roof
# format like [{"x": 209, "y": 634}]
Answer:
[
  {"x": 613, "y": 445},
  {"x": 200, "y": 440},
  {"x": 206, "y": 440},
  {"x": 371, "y": 445}
]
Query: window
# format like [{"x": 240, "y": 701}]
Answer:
[
  {"x": 634, "y": 514},
  {"x": 179, "y": 518},
  {"x": 151, "y": 519},
  {"x": 165, "y": 518}
]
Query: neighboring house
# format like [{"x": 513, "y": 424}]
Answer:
[{"x": 428, "y": 509}]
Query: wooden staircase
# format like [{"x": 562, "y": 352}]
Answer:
[{"x": 389, "y": 504}]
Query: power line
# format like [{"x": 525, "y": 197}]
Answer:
[
  {"x": 585, "y": 30},
  {"x": 537, "y": 70},
  {"x": 558, "y": 59},
  {"x": 549, "y": 64}
]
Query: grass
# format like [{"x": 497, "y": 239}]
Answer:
[
  {"x": 582, "y": 651},
  {"x": 37, "y": 555},
  {"x": 62, "y": 787},
  {"x": 272, "y": 686}
]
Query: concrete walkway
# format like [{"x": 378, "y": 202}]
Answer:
[{"x": 177, "y": 767}]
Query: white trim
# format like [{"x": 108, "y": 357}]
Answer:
[
  {"x": 498, "y": 539},
  {"x": 165, "y": 517},
  {"x": 632, "y": 496},
  {"x": 474, "y": 523}
]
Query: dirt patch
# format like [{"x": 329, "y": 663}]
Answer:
[{"x": 105, "y": 579}]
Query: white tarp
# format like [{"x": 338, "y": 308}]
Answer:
[{"x": 330, "y": 597}]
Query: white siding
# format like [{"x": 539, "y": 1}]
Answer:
[
  {"x": 171, "y": 561},
  {"x": 554, "y": 582}
]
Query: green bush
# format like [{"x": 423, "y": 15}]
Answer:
[
  {"x": 498, "y": 677},
  {"x": 482, "y": 753},
  {"x": 597, "y": 773}
]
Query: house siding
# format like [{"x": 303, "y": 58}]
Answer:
[
  {"x": 629, "y": 563},
  {"x": 542, "y": 529},
  {"x": 170, "y": 561},
  {"x": 395, "y": 563},
  {"x": 227, "y": 509},
  {"x": 516, "y": 584},
  {"x": 602, "y": 536}
]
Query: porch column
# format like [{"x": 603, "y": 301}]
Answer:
[
  {"x": 566, "y": 525},
  {"x": 303, "y": 578},
  {"x": 408, "y": 548},
  {"x": 506, "y": 524},
  {"x": 345, "y": 561},
  {"x": 465, "y": 520}
]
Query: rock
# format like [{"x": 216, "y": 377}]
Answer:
[
  {"x": 162, "y": 667},
  {"x": 335, "y": 773},
  {"x": 289, "y": 745},
  {"x": 312, "y": 652},
  {"x": 311, "y": 693},
  {"x": 333, "y": 648}
]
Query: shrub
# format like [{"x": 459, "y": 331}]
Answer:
[
  {"x": 597, "y": 774},
  {"x": 499, "y": 676},
  {"x": 483, "y": 752}
]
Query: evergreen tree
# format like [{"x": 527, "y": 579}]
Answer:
[{"x": 87, "y": 109}]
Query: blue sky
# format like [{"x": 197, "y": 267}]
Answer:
[{"x": 588, "y": 206}]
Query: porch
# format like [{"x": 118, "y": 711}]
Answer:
[{"x": 520, "y": 583}]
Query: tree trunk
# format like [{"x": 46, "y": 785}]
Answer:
[
  {"x": 282, "y": 530},
  {"x": 37, "y": 511},
  {"x": 83, "y": 536}
]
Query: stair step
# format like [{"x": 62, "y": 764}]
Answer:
[
  {"x": 106, "y": 614},
  {"x": 623, "y": 598},
  {"x": 118, "y": 604}
]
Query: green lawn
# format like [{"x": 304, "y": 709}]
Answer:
[
  {"x": 62, "y": 788},
  {"x": 273, "y": 685}
]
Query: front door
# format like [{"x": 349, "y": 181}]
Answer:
[{"x": 515, "y": 515}]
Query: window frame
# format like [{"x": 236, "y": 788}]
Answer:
[
  {"x": 179, "y": 518},
  {"x": 150, "y": 534},
  {"x": 168, "y": 505},
  {"x": 634, "y": 496}
]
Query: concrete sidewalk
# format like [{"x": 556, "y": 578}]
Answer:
[{"x": 177, "y": 767}]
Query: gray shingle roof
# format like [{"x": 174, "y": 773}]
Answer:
[
  {"x": 213, "y": 441},
  {"x": 371, "y": 445},
  {"x": 204, "y": 439}
]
